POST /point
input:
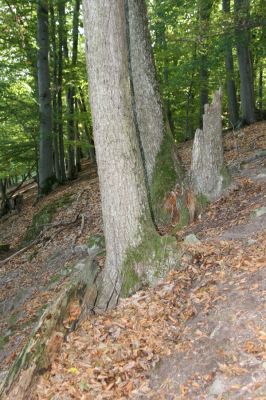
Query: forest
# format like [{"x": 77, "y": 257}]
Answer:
[{"x": 132, "y": 199}]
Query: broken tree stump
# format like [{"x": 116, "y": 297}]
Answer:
[{"x": 209, "y": 174}]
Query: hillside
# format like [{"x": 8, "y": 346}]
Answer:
[{"x": 201, "y": 334}]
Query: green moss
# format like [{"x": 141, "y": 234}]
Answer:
[
  {"x": 147, "y": 262},
  {"x": 12, "y": 321},
  {"x": 3, "y": 341},
  {"x": 44, "y": 217},
  {"x": 167, "y": 173},
  {"x": 54, "y": 278},
  {"x": 202, "y": 203},
  {"x": 96, "y": 241},
  {"x": 226, "y": 176}
]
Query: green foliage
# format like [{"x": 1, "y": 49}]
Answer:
[{"x": 180, "y": 38}]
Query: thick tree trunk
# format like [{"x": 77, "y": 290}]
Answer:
[
  {"x": 209, "y": 176},
  {"x": 120, "y": 167},
  {"x": 146, "y": 99},
  {"x": 162, "y": 166},
  {"x": 46, "y": 173},
  {"x": 241, "y": 9},
  {"x": 230, "y": 81}
]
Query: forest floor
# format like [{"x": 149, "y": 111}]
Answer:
[{"x": 200, "y": 334}]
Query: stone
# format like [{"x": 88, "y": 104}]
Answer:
[
  {"x": 259, "y": 212},
  {"x": 191, "y": 239},
  {"x": 218, "y": 387}
]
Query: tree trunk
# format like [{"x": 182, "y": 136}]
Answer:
[
  {"x": 72, "y": 168},
  {"x": 230, "y": 81},
  {"x": 209, "y": 176},
  {"x": 162, "y": 166},
  {"x": 87, "y": 128},
  {"x": 61, "y": 13},
  {"x": 54, "y": 94},
  {"x": 261, "y": 92},
  {"x": 241, "y": 9},
  {"x": 120, "y": 167},
  {"x": 46, "y": 173},
  {"x": 205, "y": 7}
]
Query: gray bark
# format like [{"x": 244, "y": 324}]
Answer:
[
  {"x": 230, "y": 81},
  {"x": 46, "y": 149},
  {"x": 72, "y": 168},
  {"x": 54, "y": 93},
  {"x": 146, "y": 99},
  {"x": 241, "y": 9},
  {"x": 205, "y": 7},
  {"x": 61, "y": 13},
  {"x": 120, "y": 166},
  {"x": 207, "y": 153}
]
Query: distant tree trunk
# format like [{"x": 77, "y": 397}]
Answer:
[
  {"x": 230, "y": 81},
  {"x": 155, "y": 140},
  {"x": 119, "y": 160},
  {"x": 208, "y": 173},
  {"x": 72, "y": 168},
  {"x": 54, "y": 94},
  {"x": 261, "y": 92},
  {"x": 79, "y": 153},
  {"x": 46, "y": 173},
  {"x": 241, "y": 10},
  {"x": 87, "y": 130},
  {"x": 205, "y": 7},
  {"x": 61, "y": 13}
]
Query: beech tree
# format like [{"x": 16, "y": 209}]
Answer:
[
  {"x": 241, "y": 9},
  {"x": 125, "y": 206},
  {"x": 161, "y": 164},
  {"x": 46, "y": 173},
  {"x": 230, "y": 80}
]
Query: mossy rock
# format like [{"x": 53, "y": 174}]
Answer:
[{"x": 45, "y": 216}]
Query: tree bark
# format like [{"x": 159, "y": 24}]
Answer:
[
  {"x": 161, "y": 163},
  {"x": 230, "y": 81},
  {"x": 54, "y": 93},
  {"x": 209, "y": 176},
  {"x": 241, "y": 10},
  {"x": 61, "y": 13},
  {"x": 205, "y": 7},
  {"x": 72, "y": 168},
  {"x": 120, "y": 166},
  {"x": 46, "y": 173}
]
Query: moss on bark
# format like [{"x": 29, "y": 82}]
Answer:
[
  {"x": 167, "y": 173},
  {"x": 148, "y": 262}
]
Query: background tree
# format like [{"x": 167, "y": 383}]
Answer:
[{"x": 46, "y": 172}]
